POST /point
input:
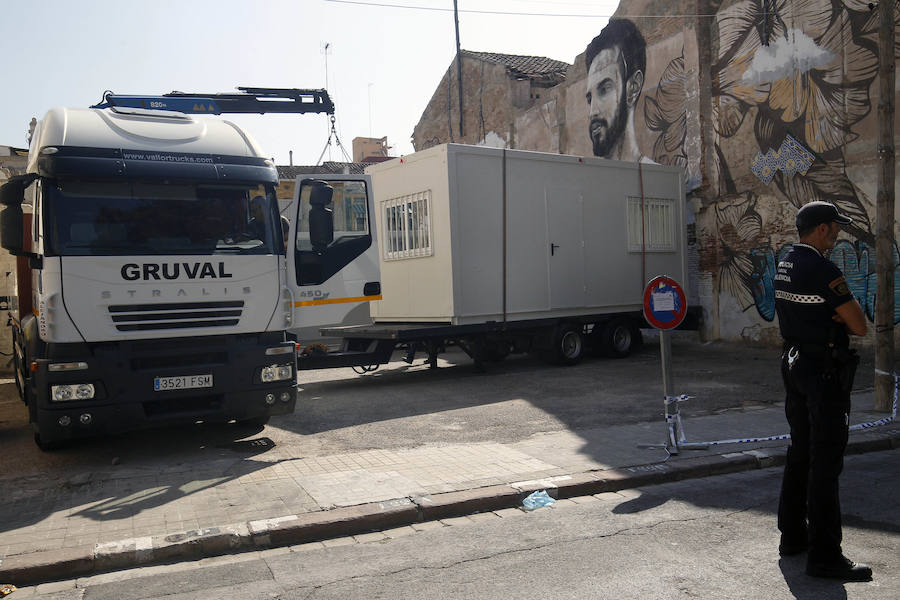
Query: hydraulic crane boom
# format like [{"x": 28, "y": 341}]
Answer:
[{"x": 251, "y": 100}]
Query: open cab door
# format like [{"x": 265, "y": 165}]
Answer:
[{"x": 332, "y": 253}]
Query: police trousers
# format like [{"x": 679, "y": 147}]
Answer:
[{"x": 817, "y": 406}]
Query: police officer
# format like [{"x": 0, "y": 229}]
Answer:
[{"x": 816, "y": 314}]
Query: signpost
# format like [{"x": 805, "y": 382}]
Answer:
[{"x": 665, "y": 307}]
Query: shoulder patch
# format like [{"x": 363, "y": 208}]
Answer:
[{"x": 839, "y": 286}]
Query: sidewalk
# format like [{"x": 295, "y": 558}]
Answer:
[{"x": 124, "y": 517}]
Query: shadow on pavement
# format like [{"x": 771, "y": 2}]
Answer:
[
  {"x": 596, "y": 392},
  {"x": 804, "y": 587},
  {"x": 116, "y": 477}
]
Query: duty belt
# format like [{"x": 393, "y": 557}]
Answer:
[{"x": 813, "y": 349}]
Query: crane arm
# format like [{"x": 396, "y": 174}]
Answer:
[{"x": 251, "y": 100}]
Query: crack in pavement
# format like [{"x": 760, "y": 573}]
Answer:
[{"x": 625, "y": 531}]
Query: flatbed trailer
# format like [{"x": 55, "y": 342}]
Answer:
[{"x": 558, "y": 341}]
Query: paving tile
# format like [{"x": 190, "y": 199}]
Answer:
[
  {"x": 456, "y": 521},
  {"x": 307, "y": 547},
  {"x": 427, "y": 525},
  {"x": 481, "y": 517},
  {"x": 274, "y": 552},
  {"x": 608, "y": 497},
  {"x": 341, "y": 541},
  {"x": 399, "y": 532},
  {"x": 584, "y": 499},
  {"x": 366, "y": 538},
  {"x": 51, "y": 588}
]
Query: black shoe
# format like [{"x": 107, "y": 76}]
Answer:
[
  {"x": 842, "y": 568},
  {"x": 786, "y": 548}
]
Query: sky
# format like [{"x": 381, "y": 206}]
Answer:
[{"x": 379, "y": 61}]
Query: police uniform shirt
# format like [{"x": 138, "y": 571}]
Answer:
[{"x": 808, "y": 287}]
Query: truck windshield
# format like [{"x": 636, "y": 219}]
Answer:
[{"x": 101, "y": 218}]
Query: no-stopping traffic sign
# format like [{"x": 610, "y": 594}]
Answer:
[{"x": 664, "y": 303}]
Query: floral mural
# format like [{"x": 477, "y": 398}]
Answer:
[{"x": 796, "y": 77}]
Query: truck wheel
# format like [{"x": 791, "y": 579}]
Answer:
[
  {"x": 618, "y": 338},
  {"x": 567, "y": 345}
]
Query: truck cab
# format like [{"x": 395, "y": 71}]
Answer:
[{"x": 161, "y": 286}]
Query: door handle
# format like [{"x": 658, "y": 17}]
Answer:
[{"x": 553, "y": 248}]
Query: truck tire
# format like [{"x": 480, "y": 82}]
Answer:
[
  {"x": 617, "y": 338},
  {"x": 567, "y": 347}
]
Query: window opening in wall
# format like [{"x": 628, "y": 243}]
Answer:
[
  {"x": 408, "y": 226},
  {"x": 658, "y": 225}
]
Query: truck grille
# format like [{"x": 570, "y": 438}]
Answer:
[{"x": 180, "y": 315}]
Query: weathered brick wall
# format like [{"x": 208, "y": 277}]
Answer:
[{"x": 490, "y": 99}]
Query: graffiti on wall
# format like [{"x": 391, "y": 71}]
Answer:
[
  {"x": 616, "y": 63},
  {"x": 795, "y": 77},
  {"x": 746, "y": 269}
]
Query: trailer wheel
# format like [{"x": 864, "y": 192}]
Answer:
[
  {"x": 618, "y": 338},
  {"x": 567, "y": 345}
]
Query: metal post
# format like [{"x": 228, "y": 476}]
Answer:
[
  {"x": 884, "y": 213},
  {"x": 459, "y": 82},
  {"x": 665, "y": 351}
]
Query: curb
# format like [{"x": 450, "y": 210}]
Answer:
[{"x": 68, "y": 563}]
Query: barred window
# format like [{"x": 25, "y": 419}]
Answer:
[
  {"x": 658, "y": 233},
  {"x": 407, "y": 225}
]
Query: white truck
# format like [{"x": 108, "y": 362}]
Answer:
[
  {"x": 499, "y": 251},
  {"x": 154, "y": 285}
]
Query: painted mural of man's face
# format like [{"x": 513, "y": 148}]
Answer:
[{"x": 607, "y": 102}]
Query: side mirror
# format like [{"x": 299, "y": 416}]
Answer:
[
  {"x": 320, "y": 193},
  {"x": 12, "y": 233},
  {"x": 12, "y": 228},
  {"x": 321, "y": 219}
]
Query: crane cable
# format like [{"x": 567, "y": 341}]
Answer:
[{"x": 333, "y": 133}]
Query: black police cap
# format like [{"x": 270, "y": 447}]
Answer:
[{"x": 818, "y": 212}]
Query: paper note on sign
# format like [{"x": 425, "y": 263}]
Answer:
[{"x": 662, "y": 301}]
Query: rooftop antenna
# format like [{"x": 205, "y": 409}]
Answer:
[
  {"x": 370, "y": 108},
  {"x": 332, "y": 131}
]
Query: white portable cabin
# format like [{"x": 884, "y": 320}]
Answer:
[{"x": 469, "y": 234}]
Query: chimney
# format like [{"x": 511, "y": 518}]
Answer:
[{"x": 291, "y": 158}]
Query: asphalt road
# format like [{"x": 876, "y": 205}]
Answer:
[
  {"x": 403, "y": 406},
  {"x": 709, "y": 538}
]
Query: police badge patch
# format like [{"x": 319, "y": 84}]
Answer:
[{"x": 839, "y": 286}]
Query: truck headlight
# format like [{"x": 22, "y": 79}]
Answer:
[
  {"x": 70, "y": 366},
  {"x": 280, "y": 350},
  {"x": 276, "y": 373},
  {"x": 72, "y": 391}
]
